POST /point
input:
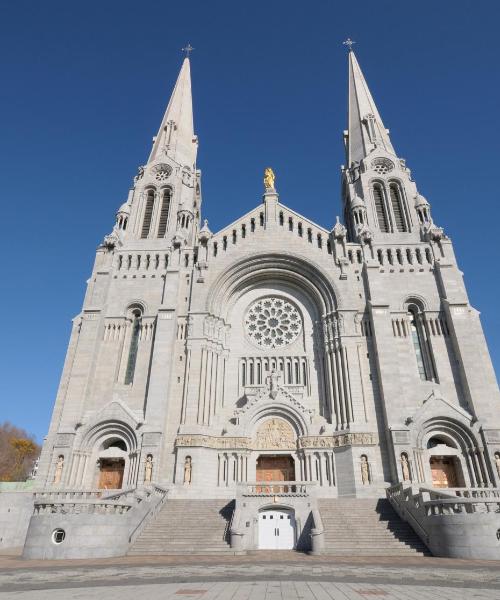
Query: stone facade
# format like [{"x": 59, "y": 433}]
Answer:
[{"x": 353, "y": 350}]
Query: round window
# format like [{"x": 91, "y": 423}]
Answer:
[
  {"x": 58, "y": 536},
  {"x": 273, "y": 322}
]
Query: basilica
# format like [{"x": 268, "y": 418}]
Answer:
[{"x": 277, "y": 383}]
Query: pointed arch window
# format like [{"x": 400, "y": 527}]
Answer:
[
  {"x": 134, "y": 347},
  {"x": 421, "y": 347},
  {"x": 380, "y": 208},
  {"x": 164, "y": 212},
  {"x": 397, "y": 207},
  {"x": 148, "y": 213}
]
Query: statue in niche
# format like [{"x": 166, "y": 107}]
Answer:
[
  {"x": 59, "y": 469},
  {"x": 497, "y": 462},
  {"x": 405, "y": 467},
  {"x": 269, "y": 178},
  {"x": 148, "y": 469},
  {"x": 365, "y": 470},
  {"x": 188, "y": 470}
]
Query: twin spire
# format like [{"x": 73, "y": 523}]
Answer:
[
  {"x": 176, "y": 135},
  {"x": 366, "y": 130}
]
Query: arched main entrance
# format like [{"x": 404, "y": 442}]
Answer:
[
  {"x": 275, "y": 467},
  {"x": 277, "y": 529}
]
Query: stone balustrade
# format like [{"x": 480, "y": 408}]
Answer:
[
  {"x": 275, "y": 488},
  {"x": 455, "y": 522},
  {"x": 80, "y": 508}
]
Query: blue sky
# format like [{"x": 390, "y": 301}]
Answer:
[{"x": 84, "y": 86}]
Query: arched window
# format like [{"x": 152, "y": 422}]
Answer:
[
  {"x": 165, "y": 209},
  {"x": 148, "y": 214},
  {"x": 425, "y": 364},
  {"x": 397, "y": 207},
  {"x": 378, "y": 196},
  {"x": 134, "y": 346}
]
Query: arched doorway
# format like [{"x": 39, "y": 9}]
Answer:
[
  {"x": 111, "y": 473},
  {"x": 275, "y": 467},
  {"x": 111, "y": 464},
  {"x": 277, "y": 529},
  {"x": 445, "y": 471}
]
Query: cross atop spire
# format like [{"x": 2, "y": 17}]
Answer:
[
  {"x": 349, "y": 43},
  {"x": 187, "y": 49}
]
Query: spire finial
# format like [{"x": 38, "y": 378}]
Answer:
[
  {"x": 187, "y": 49},
  {"x": 349, "y": 43}
]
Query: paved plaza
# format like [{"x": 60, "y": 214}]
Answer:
[{"x": 262, "y": 575}]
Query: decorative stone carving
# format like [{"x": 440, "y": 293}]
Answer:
[
  {"x": 365, "y": 470},
  {"x": 405, "y": 467},
  {"x": 272, "y": 383},
  {"x": 148, "y": 469},
  {"x": 497, "y": 462},
  {"x": 59, "y": 469},
  {"x": 112, "y": 240},
  {"x": 339, "y": 231},
  {"x": 275, "y": 434},
  {"x": 188, "y": 470},
  {"x": 140, "y": 174},
  {"x": 382, "y": 166},
  {"x": 337, "y": 441},
  {"x": 273, "y": 322},
  {"x": 219, "y": 443}
]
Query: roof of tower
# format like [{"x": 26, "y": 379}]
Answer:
[
  {"x": 176, "y": 134},
  {"x": 366, "y": 129}
]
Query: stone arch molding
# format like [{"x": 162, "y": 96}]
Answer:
[
  {"x": 114, "y": 419},
  {"x": 439, "y": 415},
  {"x": 262, "y": 407},
  {"x": 285, "y": 268}
]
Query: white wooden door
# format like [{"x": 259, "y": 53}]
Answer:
[{"x": 276, "y": 530}]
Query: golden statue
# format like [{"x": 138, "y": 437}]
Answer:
[{"x": 269, "y": 178}]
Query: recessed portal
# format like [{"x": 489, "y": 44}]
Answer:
[
  {"x": 111, "y": 473},
  {"x": 275, "y": 468},
  {"x": 445, "y": 472}
]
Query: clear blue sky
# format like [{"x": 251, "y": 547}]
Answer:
[{"x": 84, "y": 86}]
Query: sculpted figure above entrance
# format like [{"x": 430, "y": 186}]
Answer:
[{"x": 276, "y": 434}]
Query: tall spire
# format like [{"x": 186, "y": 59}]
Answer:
[
  {"x": 366, "y": 129},
  {"x": 176, "y": 135}
]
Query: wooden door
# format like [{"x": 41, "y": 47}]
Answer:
[
  {"x": 444, "y": 472},
  {"x": 275, "y": 468},
  {"x": 111, "y": 474}
]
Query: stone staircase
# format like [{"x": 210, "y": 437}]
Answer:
[
  {"x": 367, "y": 527},
  {"x": 187, "y": 527}
]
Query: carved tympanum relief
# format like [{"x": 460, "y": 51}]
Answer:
[{"x": 275, "y": 434}]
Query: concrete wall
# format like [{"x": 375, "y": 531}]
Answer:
[
  {"x": 465, "y": 535},
  {"x": 16, "y": 508},
  {"x": 87, "y": 536}
]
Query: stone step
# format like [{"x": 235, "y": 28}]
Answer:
[
  {"x": 186, "y": 527},
  {"x": 366, "y": 527}
]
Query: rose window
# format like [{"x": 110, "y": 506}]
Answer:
[{"x": 273, "y": 322}]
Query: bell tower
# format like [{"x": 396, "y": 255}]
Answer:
[
  {"x": 164, "y": 204},
  {"x": 379, "y": 195}
]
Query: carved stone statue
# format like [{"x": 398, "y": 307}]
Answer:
[
  {"x": 269, "y": 178},
  {"x": 276, "y": 434},
  {"x": 148, "y": 469},
  {"x": 405, "y": 467},
  {"x": 365, "y": 470},
  {"x": 272, "y": 382},
  {"x": 59, "y": 469},
  {"x": 188, "y": 470},
  {"x": 497, "y": 462}
]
